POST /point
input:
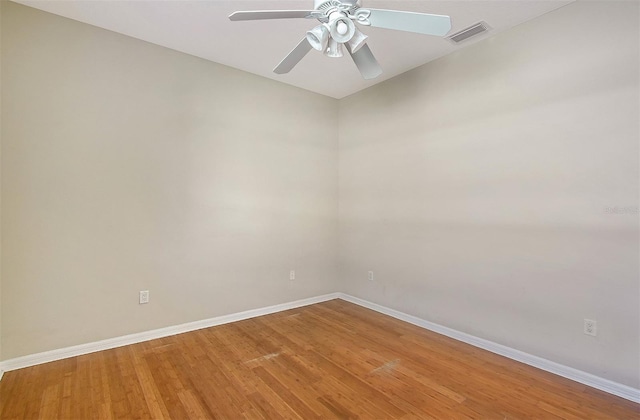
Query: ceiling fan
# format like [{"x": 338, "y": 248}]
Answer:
[{"x": 337, "y": 29}]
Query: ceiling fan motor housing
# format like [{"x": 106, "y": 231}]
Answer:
[{"x": 318, "y": 3}]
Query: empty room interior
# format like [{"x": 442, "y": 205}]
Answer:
[{"x": 373, "y": 209}]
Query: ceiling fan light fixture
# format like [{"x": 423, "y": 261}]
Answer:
[
  {"x": 342, "y": 29},
  {"x": 357, "y": 41},
  {"x": 337, "y": 30},
  {"x": 334, "y": 50},
  {"x": 318, "y": 37}
]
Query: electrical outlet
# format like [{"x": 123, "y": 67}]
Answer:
[
  {"x": 144, "y": 296},
  {"x": 590, "y": 327},
  {"x": 292, "y": 275},
  {"x": 370, "y": 275}
]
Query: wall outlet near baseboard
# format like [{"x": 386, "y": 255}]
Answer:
[
  {"x": 370, "y": 275},
  {"x": 144, "y": 296},
  {"x": 590, "y": 327},
  {"x": 292, "y": 275}
]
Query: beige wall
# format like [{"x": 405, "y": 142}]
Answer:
[
  {"x": 127, "y": 166},
  {"x": 476, "y": 189}
]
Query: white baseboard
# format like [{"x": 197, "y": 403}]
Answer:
[
  {"x": 50, "y": 356},
  {"x": 597, "y": 382},
  {"x": 585, "y": 378}
]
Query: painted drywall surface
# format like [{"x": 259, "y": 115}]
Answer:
[
  {"x": 129, "y": 167},
  {"x": 495, "y": 191}
]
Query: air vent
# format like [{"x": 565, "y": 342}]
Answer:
[{"x": 467, "y": 33}]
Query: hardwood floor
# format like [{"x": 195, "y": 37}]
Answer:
[{"x": 330, "y": 360}]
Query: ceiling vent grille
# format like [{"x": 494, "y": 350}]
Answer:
[{"x": 473, "y": 30}]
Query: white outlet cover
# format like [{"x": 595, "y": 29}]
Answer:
[
  {"x": 370, "y": 275},
  {"x": 590, "y": 327},
  {"x": 144, "y": 296},
  {"x": 292, "y": 275}
]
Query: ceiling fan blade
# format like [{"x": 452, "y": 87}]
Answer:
[
  {"x": 421, "y": 23},
  {"x": 366, "y": 62},
  {"x": 270, "y": 14},
  {"x": 294, "y": 57}
]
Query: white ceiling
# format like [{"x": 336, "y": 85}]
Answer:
[{"x": 201, "y": 28}]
